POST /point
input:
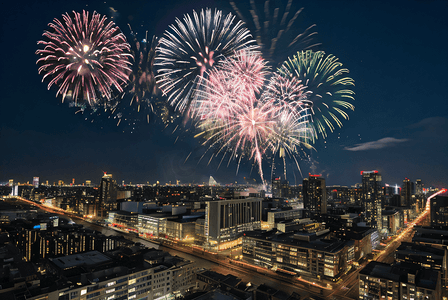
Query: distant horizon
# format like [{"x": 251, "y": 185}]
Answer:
[{"x": 174, "y": 182}]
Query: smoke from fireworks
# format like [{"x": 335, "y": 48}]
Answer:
[
  {"x": 85, "y": 56},
  {"x": 328, "y": 87},
  {"x": 191, "y": 47}
]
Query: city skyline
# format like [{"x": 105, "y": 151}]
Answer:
[{"x": 394, "y": 52}]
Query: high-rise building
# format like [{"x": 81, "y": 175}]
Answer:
[
  {"x": 11, "y": 182},
  {"x": 439, "y": 210},
  {"x": 372, "y": 194},
  {"x": 107, "y": 197},
  {"x": 315, "y": 194},
  {"x": 36, "y": 182},
  {"x": 88, "y": 183},
  {"x": 418, "y": 187},
  {"x": 226, "y": 220},
  {"x": 407, "y": 192},
  {"x": 280, "y": 188}
]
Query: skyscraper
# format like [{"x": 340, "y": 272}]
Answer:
[
  {"x": 406, "y": 192},
  {"x": 107, "y": 197},
  {"x": 315, "y": 194},
  {"x": 372, "y": 194},
  {"x": 418, "y": 187},
  {"x": 439, "y": 210},
  {"x": 36, "y": 182}
]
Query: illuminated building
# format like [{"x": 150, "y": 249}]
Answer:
[
  {"x": 418, "y": 187},
  {"x": 439, "y": 210},
  {"x": 152, "y": 225},
  {"x": 211, "y": 181},
  {"x": 36, "y": 182},
  {"x": 88, "y": 183},
  {"x": 11, "y": 182},
  {"x": 107, "y": 194},
  {"x": 393, "y": 220},
  {"x": 425, "y": 256},
  {"x": 401, "y": 281},
  {"x": 315, "y": 194},
  {"x": 277, "y": 216},
  {"x": 305, "y": 254},
  {"x": 150, "y": 275},
  {"x": 226, "y": 220},
  {"x": 372, "y": 198},
  {"x": 280, "y": 188},
  {"x": 45, "y": 241},
  {"x": 407, "y": 192}
]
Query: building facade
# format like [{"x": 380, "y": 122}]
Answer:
[
  {"x": 315, "y": 194},
  {"x": 372, "y": 198},
  {"x": 226, "y": 220},
  {"x": 312, "y": 259}
]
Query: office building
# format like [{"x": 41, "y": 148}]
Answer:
[
  {"x": 418, "y": 187},
  {"x": 372, "y": 194},
  {"x": 407, "y": 193},
  {"x": 280, "y": 215},
  {"x": 107, "y": 197},
  {"x": 426, "y": 256},
  {"x": 226, "y": 220},
  {"x": 36, "y": 182},
  {"x": 401, "y": 281},
  {"x": 142, "y": 274},
  {"x": 315, "y": 195},
  {"x": 280, "y": 188},
  {"x": 305, "y": 253},
  {"x": 439, "y": 210}
]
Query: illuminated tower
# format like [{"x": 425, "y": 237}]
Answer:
[
  {"x": 315, "y": 194},
  {"x": 107, "y": 193},
  {"x": 372, "y": 194},
  {"x": 407, "y": 192},
  {"x": 36, "y": 182}
]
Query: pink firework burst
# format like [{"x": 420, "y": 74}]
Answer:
[
  {"x": 230, "y": 113},
  {"x": 86, "y": 56},
  {"x": 237, "y": 116}
]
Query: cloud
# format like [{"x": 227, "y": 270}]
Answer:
[{"x": 381, "y": 143}]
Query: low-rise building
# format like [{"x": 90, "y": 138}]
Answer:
[
  {"x": 309, "y": 255},
  {"x": 401, "y": 281}
]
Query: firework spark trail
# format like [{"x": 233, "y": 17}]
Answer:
[
  {"x": 85, "y": 56},
  {"x": 142, "y": 80},
  {"x": 328, "y": 88},
  {"x": 191, "y": 47},
  {"x": 237, "y": 118},
  {"x": 293, "y": 128},
  {"x": 276, "y": 30}
]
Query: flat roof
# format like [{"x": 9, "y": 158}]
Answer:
[{"x": 88, "y": 258}]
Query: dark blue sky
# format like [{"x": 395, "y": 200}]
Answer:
[{"x": 395, "y": 50}]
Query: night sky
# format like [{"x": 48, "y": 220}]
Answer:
[{"x": 396, "y": 52}]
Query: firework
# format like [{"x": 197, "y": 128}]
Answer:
[
  {"x": 141, "y": 96},
  {"x": 276, "y": 28},
  {"x": 86, "y": 57},
  {"x": 142, "y": 79},
  {"x": 191, "y": 47},
  {"x": 328, "y": 88},
  {"x": 236, "y": 117}
]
